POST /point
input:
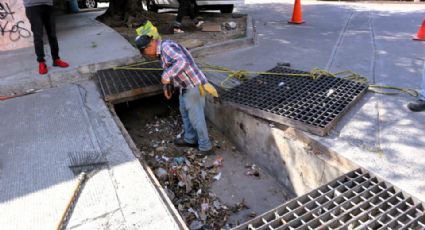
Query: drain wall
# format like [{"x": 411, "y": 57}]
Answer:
[{"x": 287, "y": 154}]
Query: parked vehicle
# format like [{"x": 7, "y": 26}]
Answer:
[
  {"x": 89, "y": 3},
  {"x": 225, "y": 6}
]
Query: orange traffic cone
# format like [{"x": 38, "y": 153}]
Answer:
[
  {"x": 297, "y": 15},
  {"x": 421, "y": 33}
]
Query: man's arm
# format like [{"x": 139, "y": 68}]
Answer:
[{"x": 178, "y": 63}]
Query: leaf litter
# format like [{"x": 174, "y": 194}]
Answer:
[{"x": 186, "y": 175}]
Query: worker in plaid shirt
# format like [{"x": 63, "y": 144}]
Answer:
[
  {"x": 181, "y": 71},
  {"x": 179, "y": 66}
]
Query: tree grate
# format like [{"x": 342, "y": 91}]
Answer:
[
  {"x": 356, "y": 200},
  {"x": 298, "y": 101},
  {"x": 126, "y": 85}
]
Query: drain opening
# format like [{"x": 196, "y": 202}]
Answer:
[{"x": 211, "y": 192}]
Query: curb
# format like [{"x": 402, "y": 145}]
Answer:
[
  {"x": 249, "y": 40},
  {"x": 73, "y": 75}
]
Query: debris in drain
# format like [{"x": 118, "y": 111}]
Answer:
[
  {"x": 230, "y": 25},
  {"x": 186, "y": 175},
  {"x": 161, "y": 173},
  {"x": 218, "y": 161},
  {"x": 218, "y": 176},
  {"x": 253, "y": 170},
  {"x": 189, "y": 178},
  {"x": 239, "y": 206},
  {"x": 180, "y": 160}
]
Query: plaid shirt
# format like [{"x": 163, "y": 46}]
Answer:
[{"x": 179, "y": 66}]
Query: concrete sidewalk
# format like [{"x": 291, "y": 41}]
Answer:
[
  {"x": 85, "y": 43},
  {"x": 379, "y": 133},
  {"x": 38, "y": 131}
]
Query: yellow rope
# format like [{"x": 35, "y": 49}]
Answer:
[
  {"x": 135, "y": 64},
  {"x": 315, "y": 73},
  {"x": 136, "y": 68}
]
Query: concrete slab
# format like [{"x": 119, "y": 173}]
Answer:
[
  {"x": 38, "y": 131},
  {"x": 84, "y": 42},
  {"x": 379, "y": 134}
]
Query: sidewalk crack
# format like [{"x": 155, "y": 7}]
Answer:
[{"x": 88, "y": 220}]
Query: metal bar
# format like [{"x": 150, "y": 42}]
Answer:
[
  {"x": 330, "y": 201},
  {"x": 371, "y": 206},
  {"x": 356, "y": 200},
  {"x": 284, "y": 209}
]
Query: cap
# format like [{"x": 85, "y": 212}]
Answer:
[{"x": 142, "y": 41}]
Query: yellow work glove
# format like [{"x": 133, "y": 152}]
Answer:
[{"x": 209, "y": 89}]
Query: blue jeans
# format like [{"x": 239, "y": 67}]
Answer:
[
  {"x": 194, "y": 124},
  {"x": 422, "y": 92}
]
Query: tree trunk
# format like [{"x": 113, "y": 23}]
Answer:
[{"x": 123, "y": 12}]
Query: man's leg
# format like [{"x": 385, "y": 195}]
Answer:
[
  {"x": 50, "y": 25},
  {"x": 35, "y": 18},
  {"x": 195, "y": 104},
  {"x": 189, "y": 135},
  {"x": 191, "y": 9},
  {"x": 181, "y": 11}
]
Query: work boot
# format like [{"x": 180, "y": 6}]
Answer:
[
  {"x": 179, "y": 142},
  {"x": 58, "y": 62},
  {"x": 417, "y": 106},
  {"x": 207, "y": 152},
  {"x": 42, "y": 68}
]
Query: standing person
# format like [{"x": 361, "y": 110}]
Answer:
[
  {"x": 419, "y": 105},
  {"x": 40, "y": 14},
  {"x": 186, "y": 7},
  {"x": 181, "y": 71}
]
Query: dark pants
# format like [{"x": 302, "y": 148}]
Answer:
[
  {"x": 186, "y": 7},
  {"x": 39, "y": 17}
]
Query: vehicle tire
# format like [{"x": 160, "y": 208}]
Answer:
[
  {"x": 90, "y": 3},
  {"x": 151, "y": 6},
  {"x": 226, "y": 9}
]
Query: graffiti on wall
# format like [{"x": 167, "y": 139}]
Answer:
[
  {"x": 15, "y": 29},
  {"x": 14, "y": 26}
]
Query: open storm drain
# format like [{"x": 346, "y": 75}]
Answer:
[
  {"x": 299, "y": 101},
  {"x": 356, "y": 200},
  {"x": 125, "y": 85}
]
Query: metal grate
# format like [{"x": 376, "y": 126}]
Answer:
[
  {"x": 311, "y": 105},
  {"x": 356, "y": 200},
  {"x": 125, "y": 85}
]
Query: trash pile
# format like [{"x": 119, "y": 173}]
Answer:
[{"x": 187, "y": 176}]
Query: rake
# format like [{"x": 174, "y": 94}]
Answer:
[{"x": 83, "y": 165}]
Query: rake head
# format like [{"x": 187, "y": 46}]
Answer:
[{"x": 86, "y": 161}]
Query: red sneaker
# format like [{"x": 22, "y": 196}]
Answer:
[
  {"x": 42, "y": 68},
  {"x": 60, "y": 63}
]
